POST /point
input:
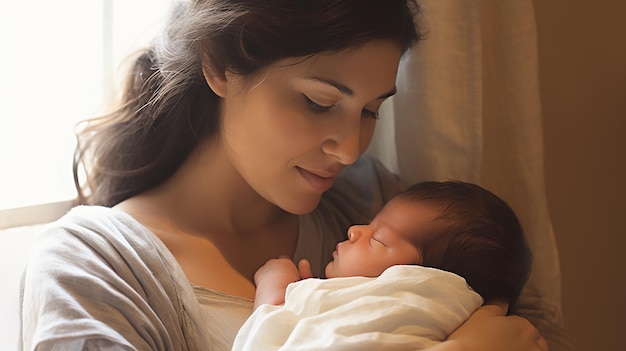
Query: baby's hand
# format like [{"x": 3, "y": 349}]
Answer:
[
  {"x": 304, "y": 266},
  {"x": 271, "y": 281},
  {"x": 279, "y": 272}
]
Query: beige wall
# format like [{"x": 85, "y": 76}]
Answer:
[{"x": 582, "y": 56}]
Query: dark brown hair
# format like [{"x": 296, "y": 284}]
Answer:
[
  {"x": 166, "y": 107},
  {"x": 476, "y": 235}
]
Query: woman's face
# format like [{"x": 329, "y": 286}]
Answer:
[
  {"x": 291, "y": 129},
  {"x": 387, "y": 241}
]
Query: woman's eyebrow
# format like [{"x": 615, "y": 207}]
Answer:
[{"x": 346, "y": 90}]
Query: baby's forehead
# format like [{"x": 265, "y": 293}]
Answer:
[
  {"x": 408, "y": 216},
  {"x": 411, "y": 204}
]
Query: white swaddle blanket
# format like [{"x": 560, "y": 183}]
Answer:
[{"x": 405, "y": 308}]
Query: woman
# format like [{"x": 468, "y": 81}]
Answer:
[{"x": 224, "y": 150}]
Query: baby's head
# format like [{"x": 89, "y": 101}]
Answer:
[{"x": 454, "y": 226}]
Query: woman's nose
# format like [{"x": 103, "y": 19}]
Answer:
[
  {"x": 346, "y": 151},
  {"x": 346, "y": 144}
]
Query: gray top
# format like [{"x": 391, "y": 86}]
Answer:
[{"x": 98, "y": 279}]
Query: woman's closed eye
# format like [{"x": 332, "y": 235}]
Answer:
[
  {"x": 316, "y": 107},
  {"x": 365, "y": 113}
]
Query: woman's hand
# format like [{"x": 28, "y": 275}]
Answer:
[{"x": 489, "y": 329}]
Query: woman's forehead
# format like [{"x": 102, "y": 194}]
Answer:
[{"x": 374, "y": 65}]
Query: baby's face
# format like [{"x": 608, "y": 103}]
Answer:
[{"x": 386, "y": 241}]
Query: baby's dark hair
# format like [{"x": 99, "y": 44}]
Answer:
[{"x": 476, "y": 235}]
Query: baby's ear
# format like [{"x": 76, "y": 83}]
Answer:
[{"x": 218, "y": 82}]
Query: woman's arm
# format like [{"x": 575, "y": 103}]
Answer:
[{"x": 489, "y": 329}]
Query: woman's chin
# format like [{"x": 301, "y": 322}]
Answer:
[{"x": 303, "y": 206}]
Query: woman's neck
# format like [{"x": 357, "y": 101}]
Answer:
[
  {"x": 207, "y": 195},
  {"x": 207, "y": 209}
]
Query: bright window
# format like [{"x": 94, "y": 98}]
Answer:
[{"x": 57, "y": 59}]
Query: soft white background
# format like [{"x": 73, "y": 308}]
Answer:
[{"x": 57, "y": 59}]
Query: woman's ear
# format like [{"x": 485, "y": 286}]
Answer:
[{"x": 217, "y": 82}]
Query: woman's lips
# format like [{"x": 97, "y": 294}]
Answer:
[{"x": 318, "y": 180}]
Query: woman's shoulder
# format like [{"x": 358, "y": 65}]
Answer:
[
  {"x": 97, "y": 220},
  {"x": 99, "y": 263},
  {"x": 370, "y": 174},
  {"x": 103, "y": 248},
  {"x": 365, "y": 185},
  {"x": 88, "y": 215},
  {"x": 93, "y": 233}
]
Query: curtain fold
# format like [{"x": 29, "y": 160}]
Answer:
[{"x": 468, "y": 108}]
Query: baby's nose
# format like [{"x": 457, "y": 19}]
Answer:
[{"x": 354, "y": 234}]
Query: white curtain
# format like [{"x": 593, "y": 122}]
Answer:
[{"x": 468, "y": 108}]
